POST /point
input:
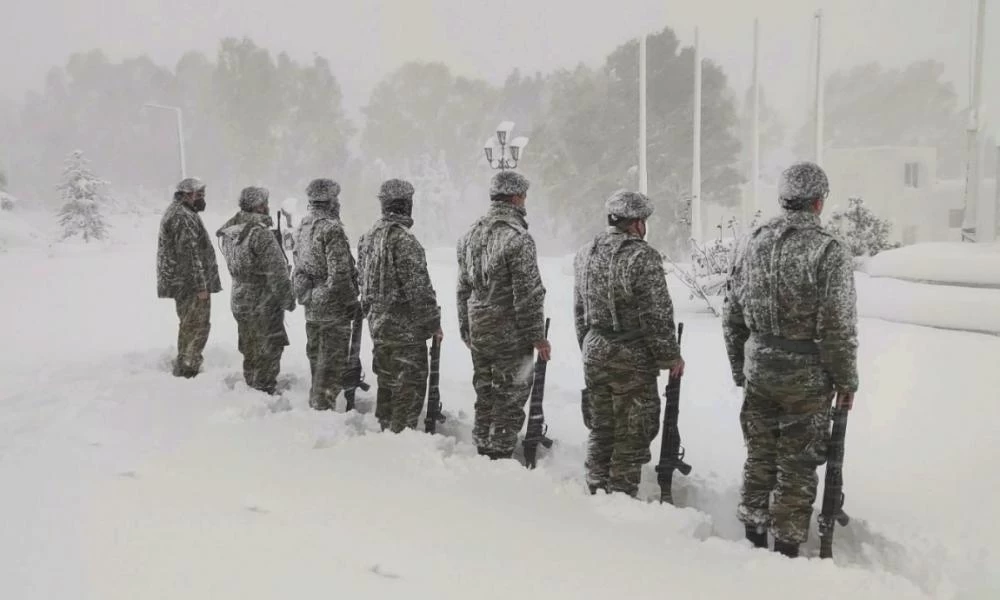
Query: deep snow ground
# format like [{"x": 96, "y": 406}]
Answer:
[{"x": 121, "y": 481}]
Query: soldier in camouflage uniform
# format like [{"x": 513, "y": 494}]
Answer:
[
  {"x": 501, "y": 303},
  {"x": 186, "y": 271},
  {"x": 262, "y": 290},
  {"x": 401, "y": 306},
  {"x": 790, "y": 330},
  {"x": 325, "y": 281},
  {"x": 625, "y": 328}
]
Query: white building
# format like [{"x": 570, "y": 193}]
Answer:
[{"x": 896, "y": 183}]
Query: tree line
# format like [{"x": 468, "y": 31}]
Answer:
[{"x": 256, "y": 117}]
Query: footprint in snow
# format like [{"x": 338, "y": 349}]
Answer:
[{"x": 128, "y": 475}]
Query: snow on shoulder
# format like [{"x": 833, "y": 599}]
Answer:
[{"x": 973, "y": 265}]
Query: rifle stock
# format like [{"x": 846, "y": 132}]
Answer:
[
  {"x": 671, "y": 451},
  {"x": 535, "y": 433},
  {"x": 434, "y": 415},
  {"x": 355, "y": 373},
  {"x": 833, "y": 486}
]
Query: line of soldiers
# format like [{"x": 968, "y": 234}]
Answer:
[{"x": 789, "y": 324}]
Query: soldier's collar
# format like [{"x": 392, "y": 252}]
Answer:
[
  {"x": 395, "y": 218},
  {"x": 802, "y": 218},
  {"x": 506, "y": 208}
]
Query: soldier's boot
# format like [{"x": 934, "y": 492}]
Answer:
[
  {"x": 483, "y": 451},
  {"x": 183, "y": 369},
  {"x": 789, "y": 549},
  {"x": 597, "y": 488},
  {"x": 498, "y": 455},
  {"x": 757, "y": 536},
  {"x": 322, "y": 402}
]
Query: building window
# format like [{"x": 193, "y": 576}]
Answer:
[
  {"x": 955, "y": 218},
  {"x": 911, "y": 175}
]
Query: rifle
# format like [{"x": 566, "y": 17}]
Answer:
[
  {"x": 434, "y": 415},
  {"x": 833, "y": 487},
  {"x": 535, "y": 433},
  {"x": 278, "y": 235},
  {"x": 671, "y": 451},
  {"x": 355, "y": 375}
]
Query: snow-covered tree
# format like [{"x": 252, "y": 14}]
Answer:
[
  {"x": 82, "y": 193},
  {"x": 436, "y": 201},
  {"x": 864, "y": 232}
]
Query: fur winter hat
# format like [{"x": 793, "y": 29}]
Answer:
[
  {"x": 395, "y": 189},
  {"x": 190, "y": 185},
  {"x": 323, "y": 190},
  {"x": 252, "y": 197},
  {"x": 508, "y": 183},
  {"x": 802, "y": 183},
  {"x": 625, "y": 206}
]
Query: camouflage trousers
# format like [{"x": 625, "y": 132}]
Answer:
[
  {"x": 327, "y": 347},
  {"x": 402, "y": 384},
  {"x": 262, "y": 340},
  {"x": 503, "y": 382},
  {"x": 786, "y": 434},
  {"x": 624, "y": 420},
  {"x": 192, "y": 334}
]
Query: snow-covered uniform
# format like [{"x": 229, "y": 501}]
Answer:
[
  {"x": 185, "y": 267},
  {"x": 399, "y": 301},
  {"x": 501, "y": 303},
  {"x": 325, "y": 282},
  {"x": 625, "y": 327},
  {"x": 262, "y": 292},
  {"x": 790, "y": 331}
]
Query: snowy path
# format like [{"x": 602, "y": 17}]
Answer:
[{"x": 123, "y": 482}]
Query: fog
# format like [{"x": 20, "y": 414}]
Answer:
[{"x": 480, "y": 43}]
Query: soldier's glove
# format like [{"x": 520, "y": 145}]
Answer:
[
  {"x": 290, "y": 304},
  {"x": 585, "y": 407}
]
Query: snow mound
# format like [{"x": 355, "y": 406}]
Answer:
[
  {"x": 976, "y": 265},
  {"x": 17, "y": 232},
  {"x": 947, "y": 307}
]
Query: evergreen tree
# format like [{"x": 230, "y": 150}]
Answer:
[
  {"x": 861, "y": 229},
  {"x": 82, "y": 193}
]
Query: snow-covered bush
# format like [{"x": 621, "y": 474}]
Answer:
[
  {"x": 861, "y": 229},
  {"x": 711, "y": 262},
  {"x": 82, "y": 194}
]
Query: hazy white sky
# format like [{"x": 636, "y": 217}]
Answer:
[{"x": 364, "y": 39}]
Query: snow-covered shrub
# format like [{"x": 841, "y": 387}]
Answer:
[
  {"x": 82, "y": 194},
  {"x": 861, "y": 229},
  {"x": 711, "y": 262}
]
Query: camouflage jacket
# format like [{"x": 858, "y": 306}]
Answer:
[
  {"x": 790, "y": 309},
  {"x": 501, "y": 299},
  {"x": 396, "y": 291},
  {"x": 324, "y": 280},
  {"x": 185, "y": 258},
  {"x": 624, "y": 316},
  {"x": 257, "y": 265}
]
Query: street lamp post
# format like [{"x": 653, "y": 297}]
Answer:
[
  {"x": 509, "y": 153},
  {"x": 180, "y": 132}
]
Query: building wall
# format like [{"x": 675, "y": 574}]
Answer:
[{"x": 896, "y": 183}]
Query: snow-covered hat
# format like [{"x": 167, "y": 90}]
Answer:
[
  {"x": 395, "y": 189},
  {"x": 252, "y": 197},
  {"x": 190, "y": 185},
  {"x": 802, "y": 183},
  {"x": 323, "y": 190},
  {"x": 509, "y": 183},
  {"x": 625, "y": 205}
]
